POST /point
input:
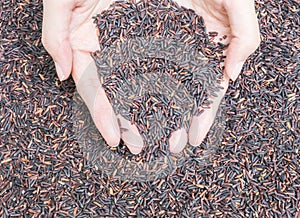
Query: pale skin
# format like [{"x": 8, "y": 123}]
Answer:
[{"x": 69, "y": 35}]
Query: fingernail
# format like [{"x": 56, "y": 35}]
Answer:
[
  {"x": 237, "y": 70},
  {"x": 59, "y": 72}
]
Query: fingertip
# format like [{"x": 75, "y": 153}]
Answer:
[
  {"x": 193, "y": 132},
  {"x": 110, "y": 135},
  {"x": 108, "y": 127},
  {"x": 134, "y": 150},
  {"x": 55, "y": 35},
  {"x": 196, "y": 133},
  {"x": 113, "y": 142},
  {"x": 234, "y": 71},
  {"x": 178, "y": 141},
  {"x": 133, "y": 141},
  {"x": 130, "y": 135},
  {"x": 62, "y": 57},
  {"x": 195, "y": 142},
  {"x": 59, "y": 72},
  {"x": 245, "y": 38}
]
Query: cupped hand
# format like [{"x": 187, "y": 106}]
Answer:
[
  {"x": 237, "y": 20},
  {"x": 69, "y": 35}
]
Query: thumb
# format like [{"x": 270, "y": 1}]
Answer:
[
  {"x": 245, "y": 35},
  {"x": 55, "y": 34}
]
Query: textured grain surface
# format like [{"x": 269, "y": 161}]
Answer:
[
  {"x": 255, "y": 173},
  {"x": 159, "y": 68}
]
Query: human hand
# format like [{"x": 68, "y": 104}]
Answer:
[
  {"x": 237, "y": 20},
  {"x": 70, "y": 36}
]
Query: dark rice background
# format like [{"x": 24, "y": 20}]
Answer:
[{"x": 255, "y": 173}]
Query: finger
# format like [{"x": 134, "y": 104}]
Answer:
[
  {"x": 89, "y": 88},
  {"x": 201, "y": 124},
  {"x": 245, "y": 34},
  {"x": 105, "y": 119},
  {"x": 178, "y": 140},
  {"x": 130, "y": 136},
  {"x": 55, "y": 34}
]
